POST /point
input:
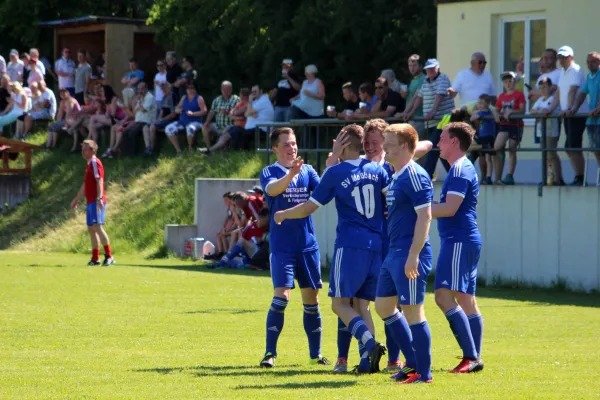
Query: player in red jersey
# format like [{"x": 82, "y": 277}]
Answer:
[{"x": 93, "y": 189}]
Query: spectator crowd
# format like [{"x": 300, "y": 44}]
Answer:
[{"x": 87, "y": 107}]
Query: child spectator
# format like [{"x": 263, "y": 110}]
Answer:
[
  {"x": 511, "y": 101},
  {"x": 486, "y": 136},
  {"x": 252, "y": 237},
  {"x": 229, "y": 226},
  {"x": 542, "y": 105}
]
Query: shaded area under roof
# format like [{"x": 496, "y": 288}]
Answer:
[{"x": 92, "y": 19}]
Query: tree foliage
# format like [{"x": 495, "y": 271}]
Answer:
[{"x": 245, "y": 40}]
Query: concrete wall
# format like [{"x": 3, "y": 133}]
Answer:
[
  {"x": 14, "y": 190},
  {"x": 176, "y": 235}
]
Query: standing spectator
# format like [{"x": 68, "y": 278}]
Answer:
[
  {"x": 174, "y": 71},
  {"x": 416, "y": 70},
  {"x": 591, "y": 88},
  {"x": 509, "y": 102},
  {"x": 166, "y": 115},
  {"x": 4, "y": 92},
  {"x": 352, "y": 102},
  {"x": 394, "y": 83},
  {"x": 548, "y": 70},
  {"x": 25, "y": 59},
  {"x": 187, "y": 77},
  {"x": 238, "y": 116},
  {"x": 16, "y": 105},
  {"x": 144, "y": 108},
  {"x": 35, "y": 74},
  {"x": 219, "y": 112},
  {"x": 485, "y": 136},
  {"x": 569, "y": 87},
  {"x": 34, "y": 55},
  {"x": 436, "y": 103},
  {"x": 259, "y": 111},
  {"x": 99, "y": 68},
  {"x": 389, "y": 102},
  {"x": 2, "y": 65},
  {"x": 45, "y": 110},
  {"x": 472, "y": 82},
  {"x": 310, "y": 101},
  {"x": 65, "y": 69},
  {"x": 82, "y": 77},
  {"x": 131, "y": 80},
  {"x": 14, "y": 69},
  {"x": 159, "y": 79},
  {"x": 191, "y": 109},
  {"x": 66, "y": 112},
  {"x": 287, "y": 88},
  {"x": 543, "y": 104}
]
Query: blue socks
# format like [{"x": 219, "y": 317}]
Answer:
[
  {"x": 397, "y": 328},
  {"x": 344, "y": 338},
  {"x": 392, "y": 348},
  {"x": 234, "y": 251},
  {"x": 462, "y": 331},
  {"x": 359, "y": 330},
  {"x": 275, "y": 323},
  {"x": 422, "y": 347},
  {"x": 312, "y": 327},
  {"x": 476, "y": 324}
]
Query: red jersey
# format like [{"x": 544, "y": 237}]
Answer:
[
  {"x": 510, "y": 102},
  {"x": 253, "y": 231},
  {"x": 94, "y": 170},
  {"x": 253, "y": 207}
]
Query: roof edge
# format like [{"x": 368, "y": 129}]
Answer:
[{"x": 92, "y": 19}]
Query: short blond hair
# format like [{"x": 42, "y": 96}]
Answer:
[
  {"x": 405, "y": 134},
  {"x": 377, "y": 125},
  {"x": 91, "y": 144}
]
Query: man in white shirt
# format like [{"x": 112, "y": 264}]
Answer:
[
  {"x": 144, "y": 107},
  {"x": 65, "y": 69},
  {"x": 260, "y": 110},
  {"x": 472, "y": 82},
  {"x": 569, "y": 88},
  {"x": 2, "y": 65},
  {"x": 548, "y": 70},
  {"x": 15, "y": 67},
  {"x": 35, "y": 58},
  {"x": 47, "y": 108}
]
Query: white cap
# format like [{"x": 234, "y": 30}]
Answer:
[
  {"x": 287, "y": 61},
  {"x": 431, "y": 63},
  {"x": 566, "y": 51},
  {"x": 311, "y": 69},
  {"x": 508, "y": 73}
]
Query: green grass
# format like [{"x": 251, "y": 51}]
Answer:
[
  {"x": 169, "y": 329},
  {"x": 144, "y": 194}
]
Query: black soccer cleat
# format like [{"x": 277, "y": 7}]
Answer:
[
  {"x": 403, "y": 374},
  {"x": 93, "y": 263},
  {"x": 320, "y": 361},
  {"x": 108, "y": 261},
  {"x": 378, "y": 351},
  {"x": 268, "y": 361}
]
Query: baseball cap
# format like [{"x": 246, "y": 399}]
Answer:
[
  {"x": 565, "y": 51},
  {"x": 311, "y": 69},
  {"x": 14, "y": 52},
  {"x": 255, "y": 189},
  {"x": 431, "y": 63},
  {"x": 508, "y": 74},
  {"x": 287, "y": 61}
]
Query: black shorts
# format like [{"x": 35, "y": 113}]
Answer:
[
  {"x": 486, "y": 142},
  {"x": 574, "y": 128},
  {"x": 515, "y": 132}
]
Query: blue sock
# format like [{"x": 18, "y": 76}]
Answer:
[
  {"x": 460, "y": 327},
  {"x": 344, "y": 338},
  {"x": 476, "y": 324},
  {"x": 392, "y": 348},
  {"x": 312, "y": 327},
  {"x": 275, "y": 323},
  {"x": 234, "y": 251},
  {"x": 359, "y": 330},
  {"x": 400, "y": 332},
  {"x": 361, "y": 349},
  {"x": 422, "y": 346}
]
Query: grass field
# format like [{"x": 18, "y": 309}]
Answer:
[{"x": 170, "y": 329}]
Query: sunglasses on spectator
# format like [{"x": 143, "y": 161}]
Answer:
[{"x": 482, "y": 62}]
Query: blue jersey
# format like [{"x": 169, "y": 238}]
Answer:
[
  {"x": 409, "y": 191},
  {"x": 357, "y": 186},
  {"x": 461, "y": 181},
  {"x": 487, "y": 127},
  {"x": 293, "y": 235}
]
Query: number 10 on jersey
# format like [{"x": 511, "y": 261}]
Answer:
[{"x": 368, "y": 192}]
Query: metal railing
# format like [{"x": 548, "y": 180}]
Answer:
[{"x": 326, "y": 129}]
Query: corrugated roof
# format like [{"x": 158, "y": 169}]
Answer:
[{"x": 92, "y": 19}]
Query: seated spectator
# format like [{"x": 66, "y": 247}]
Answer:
[
  {"x": 131, "y": 80},
  {"x": 104, "y": 115},
  {"x": 390, "y": 102},
  {"x": 260, "y": 111},
  {"x": 16, "y": 105},
  {"x": 219, "y": 112},
  {"x": 352, "y": 102},
  {"x": 257, "y": 191},
  {"x": 81, "y": 121},
  {"x": 83, "y": 72},
  {"x": 225, "y": 232},
  {"x": 45, "y": 109},
  {"x": 310, "y": 101},
  {"x": 253, "y": 236},
  {"x": 4, "y": 92},
  {"x": 250, "y": 205},
  {"x": 34, "y": 55},
  {"x": 25, "y": 59},
  {"x": 486, "y": 133},
  {"x": 32, "y": 93},
  {"x": 237, "y": 115},
  {"x": 67, "y": 110},
  {"x": 35, "y": 73},
  {"x": 191, "y": 110},
  {"x": 368, "y": 100},
  {"x": 144, "y": 109},
  {"x": 123, "y": 117},
  {"x": 15, "y": 67},
  {"x": 394, "y": 83},
  {"x": 166, "y": 115}
]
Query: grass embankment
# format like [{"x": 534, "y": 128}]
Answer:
[{"x": 144, "y": 194}]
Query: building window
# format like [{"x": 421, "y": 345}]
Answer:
[{"x": 522, "y": 43}]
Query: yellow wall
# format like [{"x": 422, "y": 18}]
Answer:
[{"x": 572, "y": 23}]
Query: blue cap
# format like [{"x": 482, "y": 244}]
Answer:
[{"x": 431, "y": 63}]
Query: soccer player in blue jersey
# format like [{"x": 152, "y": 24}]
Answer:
[
  {"x": 357, "y": 185},
  {"x": 403, "y": 275},
  {"x": 294, "y": 248},
  {"x": 456, "y": 271}
]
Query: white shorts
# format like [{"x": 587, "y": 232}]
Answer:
[{"x": 190, "y": 129}]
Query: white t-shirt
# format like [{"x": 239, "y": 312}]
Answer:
[
  {"x": 49, "y": 96},
  {"x": 158, "y": 93},
  {"x": 265, "y": 111},
  {"x": 554, "y": 76},
  {"x": 470, "y": 85},
  {"x": 17, "y": 98},
  {"x": 573, "y": 76},
  {"x": 552, "y": 124},
  {"x": 66, "y": 66}
]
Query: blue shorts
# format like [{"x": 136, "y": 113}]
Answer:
[
  {"x": 93, "y": 216},
  {"x": 393, "y": 280},
  {"x": 305, "y": 267},
  {"x": 457, "y": 266},
  {"x": 354, "y": 273}
]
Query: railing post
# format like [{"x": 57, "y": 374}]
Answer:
[
  {"x": 317, "y": 154},
  {"x": 268, "y": 141},
  {"x": 544, "y": 152},
  {"x": 305, "y": 142}
]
